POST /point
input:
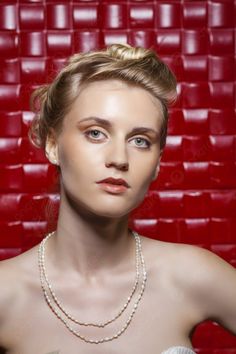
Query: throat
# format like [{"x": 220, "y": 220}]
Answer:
[{"x": 88, "y": 258}]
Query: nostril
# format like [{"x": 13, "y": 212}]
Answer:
[{"x": 123, "y": 165}]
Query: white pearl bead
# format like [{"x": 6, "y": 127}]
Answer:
[{"x": 45, "y": 282}]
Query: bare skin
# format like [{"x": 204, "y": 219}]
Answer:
[
  {"x": 91, "y": 261},
  {"x": 183, "y": 289},
  {"x": 28, "y": 325}
]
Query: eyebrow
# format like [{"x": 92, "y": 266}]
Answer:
[{"x": 108, "y": 124}]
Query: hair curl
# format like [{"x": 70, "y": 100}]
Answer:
[{"x": 133, "y": 65}]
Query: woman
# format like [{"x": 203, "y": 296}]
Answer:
[{"x": 94, "y": 285}]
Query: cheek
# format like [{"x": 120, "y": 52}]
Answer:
[
  {"x": 78, "y": 162},
  {"x": 141, "y": 179},
  {"x": 69, "y": 152},
  {"x": 144, "y": 169}
]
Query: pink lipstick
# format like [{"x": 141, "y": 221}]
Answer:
[{"x": 114, "y": 185}]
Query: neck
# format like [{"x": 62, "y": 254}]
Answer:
[{"x": 88, "y": 245}]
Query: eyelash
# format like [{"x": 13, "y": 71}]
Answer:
[{"x": 92, "y": 130}]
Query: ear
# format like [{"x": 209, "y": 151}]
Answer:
[
  {"x": 51, "y": 148},
  {"x": 156, "y": 172}
]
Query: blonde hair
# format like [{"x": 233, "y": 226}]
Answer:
[{"x": 133, "y": 65}]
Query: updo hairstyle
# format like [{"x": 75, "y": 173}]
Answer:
[{"x": 134, "y": 65}]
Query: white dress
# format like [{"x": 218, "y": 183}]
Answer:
[{"x": 178, "y": 350}]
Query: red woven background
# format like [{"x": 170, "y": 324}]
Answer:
[{"x": 194, "y": 198}]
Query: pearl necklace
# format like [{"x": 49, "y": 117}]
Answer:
[
  {"x": 58, "y": 303},
  {"x": 45, "y": 283}
]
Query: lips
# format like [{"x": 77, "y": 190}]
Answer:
[{"x": 115, "y": 181}]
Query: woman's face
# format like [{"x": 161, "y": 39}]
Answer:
[{"x": 112, "y": 130}]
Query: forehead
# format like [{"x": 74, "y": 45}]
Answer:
[{"x": 117, "y": 100}]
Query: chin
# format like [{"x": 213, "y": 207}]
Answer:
[
  {"x": 115, "y": 209},
  {"x": 107, "y": 206},
  {"x": 111, "y": 213}
]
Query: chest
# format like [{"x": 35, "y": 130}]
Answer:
[
  {"x": 158, "y": 323},
  {"x": 54, "y": 338}
]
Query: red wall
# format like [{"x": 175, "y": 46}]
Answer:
[{"x": 194, "y": 198}]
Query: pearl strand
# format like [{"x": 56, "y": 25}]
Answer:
[
  {"x": 68, "y": 315},
  {"x": 106, "y": 339}
]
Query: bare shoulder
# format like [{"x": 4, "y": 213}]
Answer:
[
  {"x": 161, "y": 251},
  {"x": 198, "y": 269},
  {"x": 207, "y": 280},
  {"x": 191, "y": 265},
  {"x": 211, "y": 284},
  {"x": 15, "y": 274},
  {"x": 185, "y": 260}
]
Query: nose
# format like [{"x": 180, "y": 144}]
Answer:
[{"x": 117, "y": 157}]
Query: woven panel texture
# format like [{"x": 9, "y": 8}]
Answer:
[{"x": 194, "y": 198}]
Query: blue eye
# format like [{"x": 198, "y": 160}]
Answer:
[
  {"x": 90, "y": 133},
  {"x": 142, "y": 140}
]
